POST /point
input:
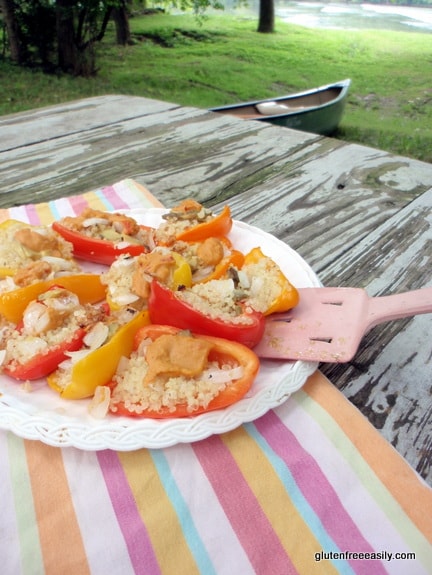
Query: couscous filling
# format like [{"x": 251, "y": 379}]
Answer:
[
  {"x": 48, "y": 322},
  {"x": 113, "y": 227},
  {"x": 261, "y": 282},
  {"x": 186, "y": 215},
  {"x": 128, "y": 278},
  {"x": 166, "y": 372},
  {"x": 217, "y": 299},
  {"x": 33, "y": 253}
]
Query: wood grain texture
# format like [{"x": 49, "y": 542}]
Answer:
[{"x": 359, "y": 216}]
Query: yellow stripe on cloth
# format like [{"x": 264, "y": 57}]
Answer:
[
  {"x": 400, "y": 479},
  {"x": 144, "y": 481},
  {"x": 295, "y": 536}
]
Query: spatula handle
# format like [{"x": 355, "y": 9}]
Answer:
[{"x": 397, "y": 306}]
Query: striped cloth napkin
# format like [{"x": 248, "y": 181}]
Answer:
[{"x": 310, "y": 487}]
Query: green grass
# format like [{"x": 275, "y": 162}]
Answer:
[{"x": 225, "y": 60}]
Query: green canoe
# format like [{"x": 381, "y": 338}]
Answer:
[{"x": 318, "y": 110}]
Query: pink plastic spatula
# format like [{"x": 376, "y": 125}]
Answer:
[{"x": 329, "y": 323}]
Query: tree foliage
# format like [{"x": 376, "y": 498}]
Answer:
[
  {"x": 57, "y": 34},
  {"x": 63, "y": 34},
  {"x": 30, "y": 29}
]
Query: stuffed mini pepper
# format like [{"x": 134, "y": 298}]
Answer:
[
  {"x": 101, "y": 237},
  {"x": 190, "y": 221},
  {"x": 233, "y": 307},
  {"x": 209, "y": 258},
  {"x": 172, "y": 373},
  {"x": 29, "y": 254},
  {"x": 79, "y": 375},
  {"x": 128, "y": 278},
  {"x": 213, "y": 308},
  {"x": 53, "y": 325}
]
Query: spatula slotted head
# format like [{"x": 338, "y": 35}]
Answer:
[{"x": 327, "y": 325}]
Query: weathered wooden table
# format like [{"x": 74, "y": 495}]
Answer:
[{"x": 360, "y": 217}]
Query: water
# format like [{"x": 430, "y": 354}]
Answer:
[{"x": 355, "y": 16}]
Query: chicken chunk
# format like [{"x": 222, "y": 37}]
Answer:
[
  {"x": 37, "y": 242},
  {"x": 210, "y": 251},
  {"x": 155, "y": 265}
]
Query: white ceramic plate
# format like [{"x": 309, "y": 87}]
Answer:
[{"x": 41, "y": 414}]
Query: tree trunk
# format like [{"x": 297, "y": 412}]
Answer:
[
  {"x": 16, "y": 46},
  {"x": 67, "y": 49},
  {"x": 266, "y": 16},
  {"x": 121, "y": 20}
]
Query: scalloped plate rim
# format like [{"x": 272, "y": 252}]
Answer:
[{"x": 56, "y": 428}]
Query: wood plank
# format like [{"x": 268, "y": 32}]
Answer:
[
  {"x": 52, "y": 122},
  {"x": 390, "y": 378},
  {"x": 196, "y": 154},
  {"x": 225, "y": 158},
  {"x": 327, "y": 193},
  {"x": 380, "y": 239}
]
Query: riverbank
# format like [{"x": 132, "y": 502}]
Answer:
[
  {"x": 224, "y": 60},
  {"x": 347, "y": 15}
]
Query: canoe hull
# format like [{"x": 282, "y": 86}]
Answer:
[{"x": 318, "y": 111}]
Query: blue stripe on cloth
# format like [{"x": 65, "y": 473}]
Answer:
[
  {"x": 54, "y": 210},
  {"x": 102, "y": 197},
  {"x": 306, "y": 512},
  {"x": 189, "y": 529}
]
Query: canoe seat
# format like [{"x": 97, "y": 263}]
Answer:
[{"x": 274, "y": 108}]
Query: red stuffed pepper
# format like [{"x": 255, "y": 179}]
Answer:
[
  {"x": 236, "y": 322},
  {"x": 52, "y": 325},
  {"x": 101, "y": 237},
  {"x": 172, "y": 373},
  {"x": 45, "y": 361}
]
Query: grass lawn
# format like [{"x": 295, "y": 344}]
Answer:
[{"x": 224, "y": 60}]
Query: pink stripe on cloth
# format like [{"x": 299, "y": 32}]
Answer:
[
  {"x": 134, "y": 531},
  {"x": 317, "y": 490},
  {"x": 115, "y": 200},
  {"x": 219, "y": 538},
  {"x": 32, "y": 216},
  {"x": 78, "y": 203},
  {"x": 247, "y": 518}
]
